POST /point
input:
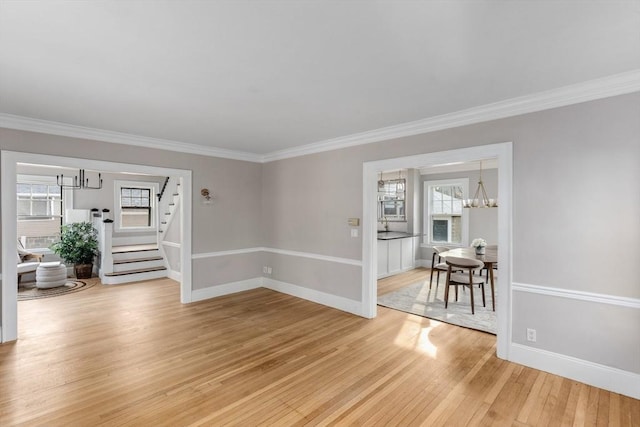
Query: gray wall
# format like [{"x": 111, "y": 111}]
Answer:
[
  {"x": 576, "y": 206},
  {"x": 232, "y": 222}
]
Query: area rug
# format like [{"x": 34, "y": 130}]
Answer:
[
  {"x": 29, "y": 291},
  {"x": 418, "y": 299}
]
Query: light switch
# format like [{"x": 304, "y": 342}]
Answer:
[
  {"x": 353, "y": 222},
  {"x": 354, "y": 232}
]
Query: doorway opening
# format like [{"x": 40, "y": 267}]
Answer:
[
  {"x": 371, "y": 171},
  {"x": 10, "y": 162}
]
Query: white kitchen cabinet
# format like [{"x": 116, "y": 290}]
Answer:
[
  {"x": 383, "y": 258},
  {"x": 395, "y": 256},
  {"x": 407, "y": 257}
]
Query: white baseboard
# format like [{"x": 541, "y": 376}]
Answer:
[
  {"x": 333, "y": 301},
  {"x": 340, "y": 303},
  {"x": 175, "y": 275},
  {"x": 225, "y": 289},
  {"x": 601, "y": 376},
  {"x": 425, "y": 263}
]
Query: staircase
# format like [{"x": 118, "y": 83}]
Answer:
[
  {"x": 125, "y": 260},
  {"x": 132, "y": 263},
  {"x": 169, "y": 200}
]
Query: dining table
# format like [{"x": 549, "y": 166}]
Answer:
[{"x": 489, "y": 258}]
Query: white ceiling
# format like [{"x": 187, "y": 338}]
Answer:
[{"x": 259, "y": 77}]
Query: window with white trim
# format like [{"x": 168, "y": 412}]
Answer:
[
  {"x": 39, "y": 208},
  {"x": 135, "y": 205},
  {"x": 445, "y": 220}
]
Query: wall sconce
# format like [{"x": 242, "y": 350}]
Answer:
[{"x": 207, "y": 198}]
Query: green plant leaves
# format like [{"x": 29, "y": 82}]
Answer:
[{"x": 78, "y": 243}]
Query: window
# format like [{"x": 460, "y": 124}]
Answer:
[
  {"x": 445, "y": 221},
  {"x": 39, "y": 205},
  {"x": 391, "y": 200},
  {"x": 134, "y": 205}
]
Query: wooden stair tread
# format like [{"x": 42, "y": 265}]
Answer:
[
  {"x": 140, "y": 270},
  {"x": 128, "y": 261}
]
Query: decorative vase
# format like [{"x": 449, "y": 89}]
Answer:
[{"x": 480, "y": 250}]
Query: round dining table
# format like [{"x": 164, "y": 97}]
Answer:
[{"x": 489, "y": 258}]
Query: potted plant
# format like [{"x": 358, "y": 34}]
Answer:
[{"x": 78, "y": 245}]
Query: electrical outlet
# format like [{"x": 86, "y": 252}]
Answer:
[
  {"x": 531, "y": 335},
  {"x": 268, "y": 270},
  {"x": 265, "y": 269},
  {"x": 354, "y": 232}
]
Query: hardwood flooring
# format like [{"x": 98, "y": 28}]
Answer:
[
  {"x": 133, "y": 355},
  {"x": 399, "y": 281}
]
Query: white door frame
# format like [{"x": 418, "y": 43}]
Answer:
[
  {"x": 504, "y": 153},
  {"x": 9, "y": 160}
]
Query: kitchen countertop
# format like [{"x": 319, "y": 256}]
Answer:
[{"x": 390, "y": 235}]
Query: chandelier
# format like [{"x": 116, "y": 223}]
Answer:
[
  {"x": 480, "y": 199},
  {"x": 79, "y": 182}
]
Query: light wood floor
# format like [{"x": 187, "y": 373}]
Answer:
[
  {"x": 399, "y": 281},
  {"x": 133, "y": 355}
]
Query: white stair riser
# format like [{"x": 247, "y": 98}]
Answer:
[
  {"x": 117, "y": 256},
  {"x": 134, "y": 240},
  {"x": 117, "y": 268},
  {"x": 136, "y": 277}
]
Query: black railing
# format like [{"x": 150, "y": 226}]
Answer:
[{"x": 164, "y": 186}]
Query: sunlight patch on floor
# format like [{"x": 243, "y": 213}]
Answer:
[{"x": 414, "y": 335}]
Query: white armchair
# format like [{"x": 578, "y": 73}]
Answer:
[{"x": 27, "y": 262}]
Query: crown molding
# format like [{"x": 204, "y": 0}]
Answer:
[
  {"x": 63, "y": 129},
  {"x": 617, "y": 84}
]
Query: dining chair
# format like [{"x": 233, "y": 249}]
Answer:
[
  {"x": 465, "y": 278},
  {"x": 495, "y": 264},
  {"x": 440, "y": 266}
]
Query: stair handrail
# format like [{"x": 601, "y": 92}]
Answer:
[{"x": 164, "y": 186}]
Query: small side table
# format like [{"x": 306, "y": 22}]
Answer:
[{"x": 51, "y": 275}]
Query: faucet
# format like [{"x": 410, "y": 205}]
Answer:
[{"x": 386, "y": 224}]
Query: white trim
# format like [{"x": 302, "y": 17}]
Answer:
[
  {"x": 614, "y": 85},
  {"x": 329, "y": 300},
  {"x": 319, "y": 257},
  {"x": 504, "y": 154},
  {"x": 153, "y": 187},
  {"x": 11, "y": 121},
  {"x": 601, "y": 376},
  {"x": 226, "y": 253},
  {"x": 310, "y": 255},
  {"x": 174, "y": 275},
  {"x": 172, "y": 245},
  {"x": 225, "y": 289},
  {"x": 617, "y": 84},
  {"x": 578, "y": 295},
  {"x": 9, "y": 159},
  {"x": 425, "y": 263}
]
